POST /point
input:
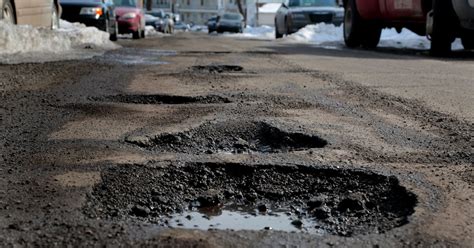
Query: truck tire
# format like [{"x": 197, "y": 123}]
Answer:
[
  {"x": 8, "y": 13},
  {"x": 442, "y": 35},
  {"x": 468, "y": 42},
  {"x": 353, "y": 25},
  {"x": 371, "y": 36},
  {"x": 277, "y": 34}
]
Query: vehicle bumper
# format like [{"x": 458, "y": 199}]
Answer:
[
  {"x": 228, "y": 29},
  {"x": 465, "y": 12},
  {"x": 128, "y": 26},
  {"x": 89, "y": 21}
]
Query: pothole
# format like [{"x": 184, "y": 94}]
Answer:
[
  {"x": 217, "y": 68},
  {"x": 163, "y": 99},
  {"x": 231, "y": 137},
  {"x": 253, "y": 197}
]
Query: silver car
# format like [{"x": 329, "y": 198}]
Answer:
[
  {"x": 38, "y": 13},
  {"x": 296, "y": 14}
]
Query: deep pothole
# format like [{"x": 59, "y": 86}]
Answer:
[
  {"x": 231, "y": 137},
  {"x": 163, "y": 99},
  {"x": 253, "y": 197},
  {"x": 217, "y": 68}
]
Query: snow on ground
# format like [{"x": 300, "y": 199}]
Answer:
[
  {"x": 330, "y": 36},
  {"x": 24, "y": 43}
]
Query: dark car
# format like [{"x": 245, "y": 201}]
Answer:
[
  {"x": 96, "y": 13},
  {"x": 155, "y": 18},
  {"x": 230, "y": 22},
  {"x": 155, "y": 22},
  {"x": 296, "y": 14},
  {"x": 212, "y": 24}
]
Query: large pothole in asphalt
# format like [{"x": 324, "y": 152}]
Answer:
[
  {"x": 163, "y": 99},
  {"x": 231, "y": 137},
  {"x": 253, "y": 197}
]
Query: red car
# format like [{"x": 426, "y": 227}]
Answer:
[
  {"x": 441, "y": 20},
  {"x": 130, "y": 17}
]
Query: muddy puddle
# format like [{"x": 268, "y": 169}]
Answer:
[
  {"x": 231, "y": 137},
  {"x": 162, "y": 99},
  {"x": 241, "y": 219},
  {"x": 252, "y": 197}
]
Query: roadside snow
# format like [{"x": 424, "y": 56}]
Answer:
[
  {"x": 24, "y": 43},
  {"x": 330, "y": 36}
]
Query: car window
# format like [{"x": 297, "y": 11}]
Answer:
[
  {"x": 312, "y": 3},
  {"x": 231, "y": 17},
  {"x": 126, "y": 3}
]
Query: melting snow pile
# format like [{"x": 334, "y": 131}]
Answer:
[
  {"x": 259, "y": 33},
  {"x": 23, "y": 43},
  {"x": 330, "y": 36}
]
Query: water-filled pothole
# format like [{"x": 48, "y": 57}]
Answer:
[
  {"x": 217, "y": 68},
  {"x": 287, "y": 198},
  {"x": 231, "y": 137},
  {"x": 163, "y": 99}
]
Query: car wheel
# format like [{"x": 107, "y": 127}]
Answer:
[
  {"x": 468, "y": 41},
  {"x": 55, "y": 17},
  {"x": 114, "y": 35},
  {"x": 277, "y": 34},
  {"x": 8, "y": 14},
  {"x": 136, "y": 35},
  {"x": 442, "y": 36},
  {"x": 353, "y": 27}
]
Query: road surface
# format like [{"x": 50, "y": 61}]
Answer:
[{"x": 343, "y": 147}]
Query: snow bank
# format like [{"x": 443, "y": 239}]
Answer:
[
  {"x": 24, "y": 43},
  {"x": 260, "y": 33},
  {"x": 330, "y": 36}
]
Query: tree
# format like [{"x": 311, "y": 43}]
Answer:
[{"x": 241, "y": 9}]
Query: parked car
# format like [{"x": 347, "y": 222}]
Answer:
[
  {"x": 155, "y": 22},
  {"x": 182, "y": 26},
  {"x": 130, "y": 17},
  {"x": 212, "y": 24},
  {"x": 441, "y": 20},
  {"x": 40, "y": 13},
  {"x": 296, "y": 14},
  {"x": 95, "y": 13},
  {"x": 230, "y": 22}
]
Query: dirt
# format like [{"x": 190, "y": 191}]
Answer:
[
  {"x": 108, "y": 151},
  {"x": 231, "y": 137}
]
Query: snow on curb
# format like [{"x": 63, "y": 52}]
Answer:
[
  {"x": 24, "y": 43},
  {"x": 330, "y": 36}
]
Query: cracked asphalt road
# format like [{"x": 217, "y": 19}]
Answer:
[{"x": 70, "y": 127}]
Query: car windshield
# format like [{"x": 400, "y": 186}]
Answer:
[
  {"x": 156, "y": 14},
  {"x": 312, "y": 3},
  {"x": 126, "y": 3},
  {"x": 233, "y": 17}
]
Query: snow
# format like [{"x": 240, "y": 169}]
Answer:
[
  {"x": 24, "y": 43},
  {"x": 269, "y": 8},
  {"x": 331, "y": 37}
]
